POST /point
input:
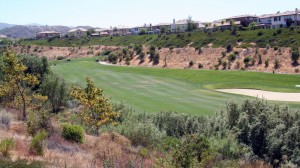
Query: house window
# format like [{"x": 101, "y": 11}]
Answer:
[
  {"x": 279, "y": 18},
  {"x": 275, "y": 19}
]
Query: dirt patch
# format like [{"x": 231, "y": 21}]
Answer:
[{"x": 276, "y": 96}]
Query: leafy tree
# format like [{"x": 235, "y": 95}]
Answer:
[
  {"x": 252, "y": 26},
  {"x": 232, "y": 23},
  {"x": 142, "y": 56},
  {"x": 97, "y": 110},
  {"x": 17, "y": 83},
  {"x": 163, "y": 29},
  {"x": 245, "y": 23},
  {"x": 191, "y": 25},
  {"x": 143, "y": 32},
  {"x": 191, "y": 149},
  {"x": 90, "y": 31},
  {"x": 289, "y": 22},
  {"x": 55, "y": 89}
]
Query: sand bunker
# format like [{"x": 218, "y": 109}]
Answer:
[{"x": 276, "y": 96}]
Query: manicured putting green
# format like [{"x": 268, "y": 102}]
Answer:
[{"x": 187, "y": 91}]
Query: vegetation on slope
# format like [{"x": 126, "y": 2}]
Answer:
[
  {"x": 244, "y": 134},
  {"x": 261, "y": 37}
]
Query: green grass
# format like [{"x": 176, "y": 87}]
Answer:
[
  {"x": 187, "y": 91},
  {"x": 284, "y": 39}
]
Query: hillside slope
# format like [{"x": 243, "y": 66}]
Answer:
[
  {"x": 188, "y": 57},
  {"x": 30, "y": 31}
]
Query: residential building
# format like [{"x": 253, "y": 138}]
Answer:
[
  {"x": 248, "y": 18},
  {"x": 137, "y": 29},
  {"x": 222, "y": 24},
  {"x": 47, "y": 34},
  {"x": 122, "y": 30},
  {"x": 79, "y": 32},
  {"x": 278, "y": 19},
  {"x": 182, "y": 25},
  {"x": 104, "y": 34},
  {"x": 156, "y": 28}
]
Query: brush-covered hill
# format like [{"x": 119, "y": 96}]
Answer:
[{"x": 20, "y": 31}]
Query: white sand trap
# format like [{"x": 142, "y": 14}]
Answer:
[
  {"x": 276, "y": 96},
  {"x": 104, "y": 63}
]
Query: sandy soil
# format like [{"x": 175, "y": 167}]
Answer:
[{"x": 276, "y": 96}]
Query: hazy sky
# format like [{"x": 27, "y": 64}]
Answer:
[{"x": 105, "y": 13}]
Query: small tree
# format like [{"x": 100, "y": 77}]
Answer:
[
  {"x": 142, "y": 56},
  {"x": 276, "y": 64},
  {"x": 55, "y": 89},
  {"x": 143, "y": 32},
  {"x": 289, "y": 22},
  {"x": 97, "y": 110},
  {"x": 17, "y": 83},
  {"x": 191, "y": 25},
  {"x": 295, "y": 56}
]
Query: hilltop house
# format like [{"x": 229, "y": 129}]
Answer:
[
  {"x": 182, "y": 25},
  {"x": 80, "y": 32},
  {"x": 137, "y": 29},
  {"x": 156, "y": 28},
  {"x": 278, "y": 19},
  {"x": 47, "y": 34},
  {"x": 122, "y": 30},
  {"x": 240, "y": 18}
]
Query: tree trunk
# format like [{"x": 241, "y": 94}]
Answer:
[{"x": 23, "y": 100}]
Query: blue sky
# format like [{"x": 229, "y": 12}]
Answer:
[{"x": 105, "y": 13}]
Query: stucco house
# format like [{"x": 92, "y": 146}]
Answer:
[
  {"x": 47, "y": 34},
  {"x": 182, "y": 25},
  {"x": 79, "y": 32},
  {"x": 156, "y": 28},
  {"x": 249, "y": 18},
  {"x": 278, "y": 19},
  {"x": 122, "y": 30}
]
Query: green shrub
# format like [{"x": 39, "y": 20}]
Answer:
[
  {"x": 73, "y": 133},
  {"x": 6, "y": 146},
  {"x": 113, "y": 58},
  {"x": 223, "y": 54},
  {"x": 36, "y": 146},
  {"x": 267, "y": 63},
  {"x": 224, "y": 64},
  {"x": 142, "y": 134},
  {"x": 276, "y": 64},
  {"x": 37, "y": 122},
  {"x": 247, "y": 60},
  {"x": 231, "y": 57},
  {"x": 60, "y": 58},
  {"x": 191, "y": 63},
  {"x": 229, "y": 47},
  {"x": 295, "y": 56},
  {"x": 5, "y": 118},
  {"x": 191, "y": 151},
  {"x": 260, "y": 33},
  {"x": 259, "y": 59},
  {"x": 105, "y": 52},
  {"x": 200, "y": 66}
]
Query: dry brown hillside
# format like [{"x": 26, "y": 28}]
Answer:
[{"x": 209, "y": 58}]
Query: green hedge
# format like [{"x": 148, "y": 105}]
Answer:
[{"x": 73, "y": 133}]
